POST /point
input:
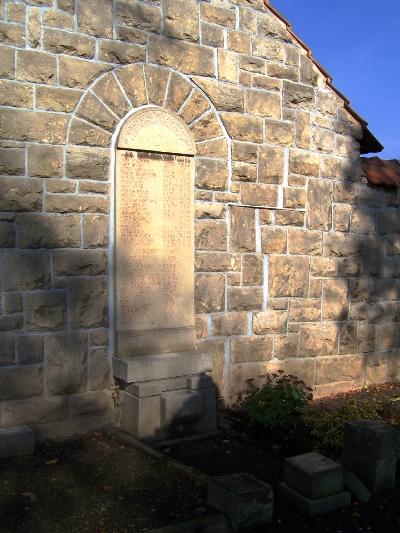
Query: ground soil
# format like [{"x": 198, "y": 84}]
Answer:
[{"x": 93, "y": 484}]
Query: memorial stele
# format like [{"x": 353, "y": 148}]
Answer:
[{"x": 154, "y": 278}]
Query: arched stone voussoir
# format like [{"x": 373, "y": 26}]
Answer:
[
  {"x": 156, "y": 83},
  {"x": 86, "y": 134},
  {"x": 132, "y": 81},
  {"x": 110, "y": 93},
  {"x": 213, "y": 148},
  {"x": 195, "y": 106},
  {"x": 94, "y": 111}
]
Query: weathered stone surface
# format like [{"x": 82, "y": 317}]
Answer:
[
  {"x": 45, "y": 311},
  {"x": 294, "y": 198},
  {"x": 83, "y": 133},
  {"x": 62, "y": 42},
  {"x": 209, "y": 293},
  {"x": 66, "y": 355},
  {"x": 12, "y": 34},
  {"x": 12, "y": 162},
  {"x": 45, "y": 161},
  {"x": 7, "y": 235},
  {"x": 212, "y": 35},
  {"x": 139, "y": 15},
  {"x": 79, "y": 262},
  {"x": 288, "y": 276},
  {"x": 319, "y": 199},
  {"x": 259, "y": 194},
  {"x": 270, "y": 321},
  {"x": 249, "y": 349},
  {"x": 297, "y": 95},
  {"x": 98, "y": 369},
  {"x": 224, "y": 96},
  {"x": 20, "y": 382},
  {"x": 280, "y": 133},
  {"x": 264, "y": 104},
  {"x": 95, "y": 231},
  {"x": 209, "y": 210},
  {"x": 188, "y": 57},
  {"x": 211, "y": 174},
  {"x": 58, "y": 19},
  {"x": 15, "y": 94},
  {"x": 181, "y": 19},
  {"x": 242, "y": 235},
  {"x": 305, "y": 310},
  {"x": 305, "y": 163},
  {"x": 252, "y": 269},
  {"x": 304, "y": 242},
  {"x": 120, "y": 52},
  {"x": 7, "y": 62},
  {"x": 337, "y": 369},
  {"x": 77, "y": 203},
  {"x": 131, "y": 35},
  {"x": 26, "y": 270},
  {"x": 226, "y": 324},
  {"x": 95, "y": 21},
  {"x": 243, "y": 128},
  {"x": 88, "y": 303},
  {"x": 92, "y": 110},
  {"x": 206, "y": 128},
  {"x": 35, "y": 411},
  {"x": 30, "y": 349},
  {"x": 74, "y": 72},
  {"x": 217, "y": 262},
  {"x": 273, "y": 240},
  {"x": 133, "y": 82},
  {"x": 22, "y": 125},
  {"x": 335, "y": 303},
  {"x": 318, "y": 340},
  {"x": 210, "y": 235},
  {"x": 16, "y": 13},
  {"x": 228, "y": 66},
  {"x": 244, "y": 172},
  {"x": 245, "y": 298},
  {"x": 49, "y": 231},
  {"x": 56, "y": 98},
  {"x": 34, "y": 27},
  {"x": 87, "y": 163},
  {"x": 271, "y": 165}
]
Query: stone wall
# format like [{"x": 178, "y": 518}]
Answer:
[{"x": 297, "y": 258}]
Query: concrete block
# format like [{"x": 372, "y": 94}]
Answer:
[
  {"x": 141, "y": 417},
  {"x": 179, "y": 406},
  {"x": 370, "y": 452},
  {"x": 160, "y": 366},
  {"x": 15, "y": 441},
  {"x": 318, "y": 506},
  {"x": 353, "y": 484},
  {"x": 313, "y": 475},
  {"x": 242, "y": 498}
]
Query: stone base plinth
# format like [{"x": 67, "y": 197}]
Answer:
[
  {"x": 166, "y": 396},
  {"x": 317, "y": 506}
]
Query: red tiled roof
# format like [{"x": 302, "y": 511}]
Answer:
[
  {"x": 380, "y": 172},
  {"x": 369, "y": 143}
]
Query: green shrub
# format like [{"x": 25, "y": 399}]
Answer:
[{"x": 277, "y": 402}]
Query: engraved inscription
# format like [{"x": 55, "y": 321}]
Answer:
[{"x": 154, "y": 241}]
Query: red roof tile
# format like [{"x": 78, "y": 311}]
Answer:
[
  {"x": 369, "y": 143},
  {"x": 380, "y": 172}
]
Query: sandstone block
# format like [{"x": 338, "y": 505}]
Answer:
[
  {"x": 245, "y": 152},
  {"x": 16, "y": 13},
  {"x": 288, "y": 276},
  {"x": 45, "y": 311},
  {"x": 15, "y": 94},
  {"x": 218, "y": 15},
  {"x": 66, "y": 355},
  {"x": 289, "y": 218},
  {"x": 35, "y": 411},
  {"x": 181, "y": 19},
  {"x": 60, "y": 185},
  {"x": 211, "y": 235},
  {"x": 201, "y": 326},
  {"x": 187, "y": 57},
  {"x": 12, "y": 34},
  {"x": 323, "y": 140},
  {"x": 109, "y": 91},
  {"x": 89, "y": 403},
  {"x": 206, "y": 128},
  {"x": 342, "y": 244},
  {"x": 211, "y": 174},
  {"x": 95, "y": 231},
  {"x": 194, "y": 107},
  {"x": 88, "y": 302},
  {"x": 217, "y": 262},
  {"x": 283, "y": 72},
  {"x": 49, "y": 231},
  {"x": 37, "y": 67},
  {"x": 252, "y": 269},
  {"x": 87, "y": 163},
  {"x": 305, "y": 310},
  {"x": 74, "y": 72},
  {"x": 34, "y": 27},
  {"x": 243, "y": 128},
  {"x": 270, "y": 321},
  {"x": 305, "y": 163},
  {"x": 209, "y": 293},
  {"x": 259, "y": 194},
  {"x": 319, "y": 201},
  {"x": 226, "y": 324},
  {"x": 212, "y": 35},
  {"x": 277, "y": 132},
  {"x": 7, "y": 349},
  {"x": 245, "y": 298},
  {"x": 26, "y": 270},
  {"x": 45, "y": 161},
  {"x": 79, "y": 262},
  {"x": 298, "y": 96},
  {"x": 250, "y": 64},
  {"x": 139, "y": 15},
  {"x": 268, "y": 49},
  {"x": 58, "y": 19},
  {"x": 21, "y": 125},
  {"x": 242, "y": 235},
  {"x": 264, "y": 104},
  {"x": 286, "y": 346},
  {"x": 225, "y": 96},
  {"x": 92, "y": 110},
  {"x": 120, "y": 52},
  {"x": 12, "y": 162},
  {"x": 308, "y": 73},
  {"x": 304, "y": 242},
  {"x": 249, "y": 349},
  {"x": 273, "y": 240},
  {"x": 7, "y": 235},
  {"x": 240, "y": 374},
  {"x": 56, "y": 98},
  {"x": 95, "y": 21},
  {"x": 178, "y": 91},
  {"x": 303, "y": 130},
  {"x": 335, "y": 301},
  {"x": 294, "y": 198},
  {"x": 271, "y": 165},
  {"x": 98, "y": 369},
  {"x": 318, "y": 340},
  {"x": 62, "y": 42},
  {"x": 228, "y": 65},
  {"x": 30, "y": 349},
  {"x": 18, "y": 382},
  {"x": 77, "y": 203},
  {"x": 337, "y": 369},
  {"x": 239, "y": 41},
  {"x": 7, "y": 62}
]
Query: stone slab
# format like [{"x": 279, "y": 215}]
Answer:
[
  {"x": 354, "y": 485},
  {"x": 154, "y": 242},
  {"x": 313, "y": 475},
  {"x": 243, "y": 499},
  {"x": 179, "y": 406},
  {"x": 208, "y": 524},
  {"x": 315, "y": 507},
  {"x": 160, "y": 366},
  {"x": 16, "y": 441},
  {"x": 370, "y": 452}
]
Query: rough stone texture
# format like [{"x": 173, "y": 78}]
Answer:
[
  {"x": 296, "y": 257},
  {"x": 16, "y": 441}
]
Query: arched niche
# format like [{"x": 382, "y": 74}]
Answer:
[{"x": 154, "y": 235}]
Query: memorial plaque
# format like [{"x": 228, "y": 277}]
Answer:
[{"x": 154, "y": 248}]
